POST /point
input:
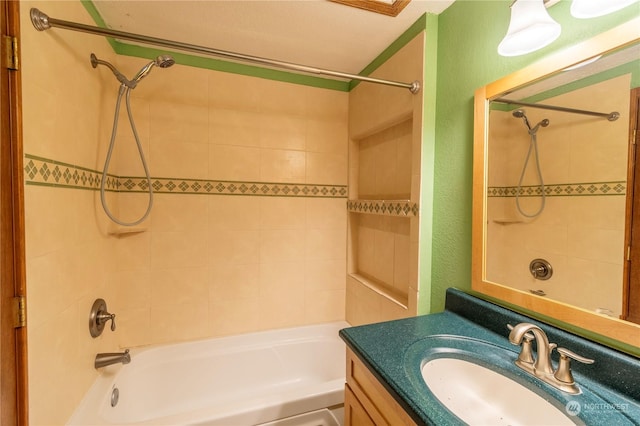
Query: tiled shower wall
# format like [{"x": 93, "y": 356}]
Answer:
[
  {"x": 386, "y": 142},
  {"x": 255, "y": 238},
  {"x": 248, "y": 227},
  {"x": 70, "y": 259},
  {"x": 581, "y": 229}
]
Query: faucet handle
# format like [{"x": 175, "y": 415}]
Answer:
[
  {"x": 526, "y": 354},
  {"x": 103, "y": 317},
  {"x": 570, "y": 354},
  {"x": 563, "y": 373},
  {"x": 99, "y": 316}
]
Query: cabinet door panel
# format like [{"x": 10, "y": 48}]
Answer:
[
  {"x": 354, "y": 412},
  {"x": 371, "y": 395}
]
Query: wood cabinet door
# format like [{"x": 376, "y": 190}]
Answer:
[{"x": 354, "y": 412}]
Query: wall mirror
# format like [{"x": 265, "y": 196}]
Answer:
[{"x": 553, "y": 186}]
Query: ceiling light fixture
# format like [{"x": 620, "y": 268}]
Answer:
[
  {"x": 531, "y": 28},
  {"x": 584, "y": 9}
]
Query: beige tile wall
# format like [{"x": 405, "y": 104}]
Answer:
[
  {"x": 383, "y": 250},
  {"x": 70, "y": 258},
  {"x": 384, "y": 165},
  {"x": 581, "y": 236},
  {"x": 243, "y": 263},
  {"x": 204, "y": 265}
]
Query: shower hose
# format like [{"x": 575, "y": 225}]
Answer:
[
  {"x": 533, "y": 147},
  {"x": 126, "y": 91}
]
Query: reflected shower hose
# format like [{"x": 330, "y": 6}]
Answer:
[
  {"x": 533, "y": 146},
  {"x": 124, "y": 90}
]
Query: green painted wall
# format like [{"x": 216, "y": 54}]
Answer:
[{"x": 469, "y": 33}]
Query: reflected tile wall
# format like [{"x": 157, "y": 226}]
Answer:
[{"x": 581, "y": 229}]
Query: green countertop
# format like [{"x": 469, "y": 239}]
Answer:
[{"x": 476, "y": 330}]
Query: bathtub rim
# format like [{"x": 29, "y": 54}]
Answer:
[{"x": 98, "y": 394}]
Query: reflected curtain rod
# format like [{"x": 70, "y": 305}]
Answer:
[
  {"x": 42, "y": 22},
  {"x": 611, "y": 116}
]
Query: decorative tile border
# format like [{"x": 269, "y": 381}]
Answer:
[
  {"x": 46, "y": 172},
  {"x": 43, "y": 171},
  {"x": 220, "y": 187},
  {"x": 383, "y": 207},
  {"x": 561, "y": 190}
]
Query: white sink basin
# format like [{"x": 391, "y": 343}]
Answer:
[{"x": 480, "y": 396}]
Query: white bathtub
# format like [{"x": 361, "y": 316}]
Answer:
[{"x": 247, "y": 379}]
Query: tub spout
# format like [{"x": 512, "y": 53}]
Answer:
[{"x": 103, "y": 360}]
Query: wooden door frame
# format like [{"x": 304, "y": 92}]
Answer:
[
  {"x": 13, "y": 341},
  {"x": 631, "y": 284}
]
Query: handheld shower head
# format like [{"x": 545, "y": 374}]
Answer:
[
  {"x": 165, "y": 61},
  {"x": 520, "y": 113},
  {"x": 162, "y": 61},
  {"x": 542, "y": 123}
]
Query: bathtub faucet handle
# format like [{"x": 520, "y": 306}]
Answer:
[
  {"x": 103, "y": 317},
  {"x": 99, "y": 316}
]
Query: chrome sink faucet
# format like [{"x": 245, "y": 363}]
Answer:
[
  {"x": 103, "y": 360},
  {"x": 542, "y": 368}
]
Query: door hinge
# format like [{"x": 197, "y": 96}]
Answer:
[
  {"x": 19, "y": 311},
  {"x": 11, "y": 52}
]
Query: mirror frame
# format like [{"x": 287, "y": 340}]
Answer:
[{"x": 609, "y": 327}]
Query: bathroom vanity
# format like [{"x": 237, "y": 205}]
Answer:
[
  {"x": 480, "y": 363},
  {"x": 387, "y": 375}
]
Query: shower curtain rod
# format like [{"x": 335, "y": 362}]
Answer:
[
  {"x": 611, "y": 116},
  {"x": 42, "y": 22}
]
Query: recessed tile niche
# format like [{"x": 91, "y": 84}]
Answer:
[
  {"x": 385, "y": 137},
  {"x": 380, "y": 223}
]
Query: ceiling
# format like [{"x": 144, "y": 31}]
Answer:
[{"x": 316, "y": 33}]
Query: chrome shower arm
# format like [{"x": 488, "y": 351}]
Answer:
[{"x": 121, "y": 78}]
